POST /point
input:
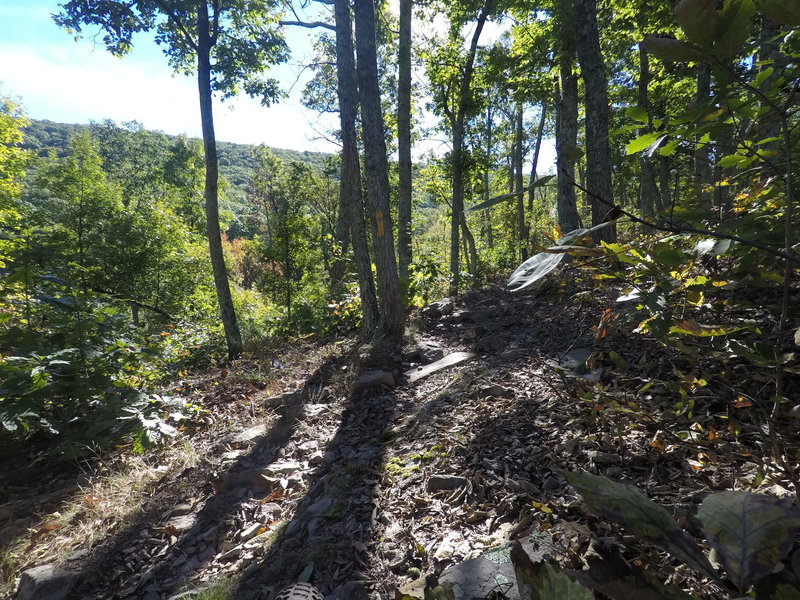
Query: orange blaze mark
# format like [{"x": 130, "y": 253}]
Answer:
[{"x": 379, "y": 223}]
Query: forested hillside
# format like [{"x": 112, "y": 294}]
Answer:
[{"x": 236, "y": 372}]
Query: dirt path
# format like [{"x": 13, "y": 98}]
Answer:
[{"x": 381, "y": 486}]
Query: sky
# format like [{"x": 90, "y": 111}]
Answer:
[{"x": 55, "y": 77}]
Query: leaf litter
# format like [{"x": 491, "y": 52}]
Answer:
[{"x": 380, "y": 488}]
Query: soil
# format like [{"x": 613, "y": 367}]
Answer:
[{"x": 307, "y": 459}]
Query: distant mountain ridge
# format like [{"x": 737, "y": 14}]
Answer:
[{"x": 236, "y": 160}]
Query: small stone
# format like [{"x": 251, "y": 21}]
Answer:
[
  {"x": 180, "y": 510},
  {"x": 430, "y": 352},
  {"x": 438, "y": 483},
  {"x": 181, "y": 523},
  {"x": 314, "y": 525},
  {"x": 283, "y": 467},
  {"x": 44, "y": 583},
  {"x": 434, "y": 310},
  {"x": 83, "y": 552},
  {"x": 230, "y": 554},
  {"x": 316, "y": 458},
  {"x": 492, "y": 390},
  {"x": 321, "y": 506},
  {"x": 604, "y": 458},
  {"x": 373, "y": 379},
  {"x": 248, "y": 436},
  {"x": 250, "y": 532}
]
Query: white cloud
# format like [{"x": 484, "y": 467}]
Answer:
[{"x": 77, "y": 84}]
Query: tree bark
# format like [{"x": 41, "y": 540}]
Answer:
[
  {"x": 595, "y": 85},
  {"x": 488, "y": 211},
  {"x": 391, "y": 321},
  {"x": 519, "y": 183},
  {"x": 649, "y": 197},
  {"x": 233, "y": 338},
  {"x": 350, "y": 183},
  {"x": 535, "y": 162},
  {"x": 457, "y": 126},
  {"x": 566, "y": 121},
  {"x": 404, "y": 252},
  {"x": 702, "y": 162}
]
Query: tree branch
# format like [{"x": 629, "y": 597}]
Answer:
[
  {"x": 309, "y": 24},
  {"x": 172, "y": 17},
  {"x": 673, "y": 229}
]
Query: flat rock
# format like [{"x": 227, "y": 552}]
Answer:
[
  {"x": 576, "y": 359},
  {"x": 372, "y": 379},
  {"x": 44, "y": 583},
  {"x": 283, "y": 467},
  {"x": 604, "y": 458},
  {"x": 181, "y": 523},
  {"x": 286, "y": 399},
  {"x": 247, "y": 436},
  {"x": 437, "y": 483},
  {"x": 478, "y": 577},
  {"x": 448, "y": 361},
  {"x": 321, "y": 506}
]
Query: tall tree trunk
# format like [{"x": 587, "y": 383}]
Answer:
[
  {"x": 350, "y": 182},
  {"x": 519, "y": 183},
  {"x": 457, "y": 126},
  {"x": 404, "y": 146},
  {"x": 595, "y": 85},
  {"x": 488, "y": 212},
  {"x": 535, "y": 162},
  {"x": 233, "y": 338},
  {"x": 702, "y": 162},
  {"x": 391, "y": 320},
  {"x": 566, "y": 120},
  {"x": 649, "y": 198},
  {"x": 664, "y": 183}
]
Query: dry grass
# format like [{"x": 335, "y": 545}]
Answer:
[{"x": 106, "y": 504}]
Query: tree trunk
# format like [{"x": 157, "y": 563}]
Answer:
[
  {"x": 488, "y": 211},
  {"x": 376, "y": 168},
  {"x": 664, "y": 183},
  {"x": 404, "y": 147},
  {"x": 702, "y": 162},
  {"x": 566, "y": 121},
  {"x": 457, "y": 126},
  {"x": 535, "y": 162},
  {"x": 350, "y": 183},
  {"x": 649, "y": 198},
  {"x": 595, "y": 85},
  {"x": 519, "y": 183},
  {"x": 233, "y": 338}
]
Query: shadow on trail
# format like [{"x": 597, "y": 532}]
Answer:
[
  {"x": 179, "y": 543},
  {"x": 335, "y": 523}
]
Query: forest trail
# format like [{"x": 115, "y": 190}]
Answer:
[{"x": 378, "y": 485}]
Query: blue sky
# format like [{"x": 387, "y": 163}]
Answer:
[
  {"x": 60, "y": 79},
  {"x": 56, "y": 78}
]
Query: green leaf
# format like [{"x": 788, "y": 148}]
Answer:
[
  {"x": 783, "y": 12},
  {"x": 542, "y": 581},
  {"x": 637, "y": 113},
  {"x": 668, "y": 149},
  {"x": 628, "y": 506},
  {"x": 539, "y": 265},
  {"x": 614, "y": 578},
  {"x": 733, "y": 27},
  {"x": 750, "y": 532},
  {"x": 643, "y": 142},
  {"x": 693, "y": 328},
  {"x": 696, "y": 18},
  {"x": 711, "y": 246},
  {"x": 533, "y": 269},
  {"x": 734, "y": 160}
]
